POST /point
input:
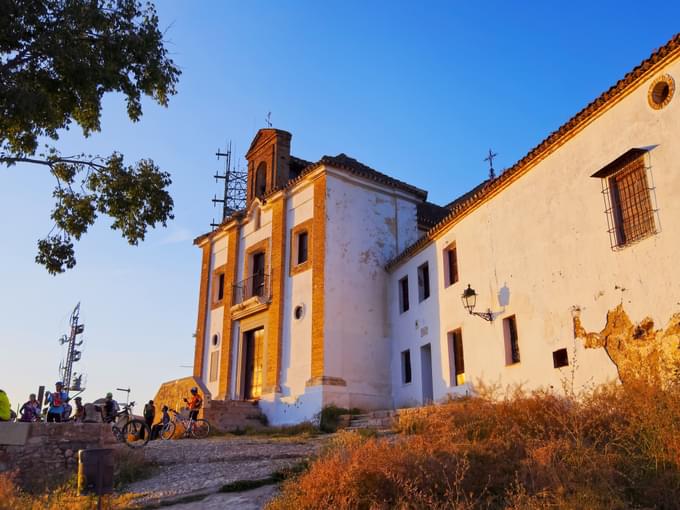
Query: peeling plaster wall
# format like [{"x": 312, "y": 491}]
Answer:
[
  {"x": 364, "y": 226},
  {"x": 639, "y": 351},
  {"x": 213, "y": 326},
  {"x": 543, "y": 241}
]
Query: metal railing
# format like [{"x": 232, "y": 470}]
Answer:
[{"x": 255, "y": 286}]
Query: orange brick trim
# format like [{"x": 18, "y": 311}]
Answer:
[
  {"x": 305, "y": 226},
  {"x": 318, "y": 275},
  {"x": 225, "y": 348},
  {"x": 274, "y": 337},
  {"x": 202, "y": 311}
]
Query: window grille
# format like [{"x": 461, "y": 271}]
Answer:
[{"x": 630, "y": 202}]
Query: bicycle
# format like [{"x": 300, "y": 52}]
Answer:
[
  {"x": 134, "y": 432},
  {"x": 198, "y": 429}
]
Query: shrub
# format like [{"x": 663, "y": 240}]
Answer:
[
  {"x": 615, "y": 447},
  {"x": 329, "y": 417}
]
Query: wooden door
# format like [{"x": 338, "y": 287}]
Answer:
[{"x": 254, "y": 343}]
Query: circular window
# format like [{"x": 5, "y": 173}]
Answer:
[
  {"x": 661, "y": 91},
  {"x": 215, "y": 339},
  {"x": 299, "y": 312}
]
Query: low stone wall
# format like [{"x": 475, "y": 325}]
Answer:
[{"x": 47, "y": 453}]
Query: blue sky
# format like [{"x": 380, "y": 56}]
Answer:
[{"x": 419, "y": 91}]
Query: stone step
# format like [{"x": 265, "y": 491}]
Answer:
[
  {"x": 377, "y": 420},
  {"x": 231, "y": 415}
]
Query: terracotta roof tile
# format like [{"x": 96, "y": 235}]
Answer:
[{"x": 430, "y": 214}]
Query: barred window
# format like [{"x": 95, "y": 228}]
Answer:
[{"x": 627, "y": 191}]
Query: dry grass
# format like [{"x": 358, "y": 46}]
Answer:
[
  {"x": 64, "y": 497},
  {"x": 614, "y": 448}
]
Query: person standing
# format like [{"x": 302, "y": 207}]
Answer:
[
  {"x": 80, "y": 410},
  {"x": 149, "y": 414},
  {"x": 30, "y": 411},
  {"x": 194, "y": 404},
  {"x": 110, "y": 409},
  {"x": 56, "y": 400},
  {"x": 5, "y": 407}
]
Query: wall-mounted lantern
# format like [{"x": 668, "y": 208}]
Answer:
[{"x": 469, "y": 299}]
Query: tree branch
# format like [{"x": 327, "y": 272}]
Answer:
[{"x": 51, "y": 162}]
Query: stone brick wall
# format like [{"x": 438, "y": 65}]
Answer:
[
  {"x": 233, "y": 415},
  {"x": 172, "y": 393},
  {"x": 47, "y": 453}
]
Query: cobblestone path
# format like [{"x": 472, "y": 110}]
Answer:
[{"x": 189, "y": 467}]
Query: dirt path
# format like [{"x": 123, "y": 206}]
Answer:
[{"x": 200, "y": 468}]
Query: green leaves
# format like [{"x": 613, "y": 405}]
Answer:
[
  {"x": 57, "y": 60},
  {"x": 56, "y": 254},
  {"x": 135, "y": 197}
]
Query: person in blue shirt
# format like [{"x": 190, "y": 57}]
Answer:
[{"x": 57, "y": 402}]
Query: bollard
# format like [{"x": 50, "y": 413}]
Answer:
[{"x": 95, "y": 471}]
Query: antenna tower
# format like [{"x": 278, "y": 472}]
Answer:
[
  {"x": 71, "y": 380},
  {"x": 235, "y": 184}
]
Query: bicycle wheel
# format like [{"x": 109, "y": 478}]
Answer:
[
  {"x": 168, "y": 431},
  {"x": 200, "y": 429},
  {"x": 136, "y": 433}
]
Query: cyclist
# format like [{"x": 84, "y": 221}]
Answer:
[
  {"x": 5, "y": 407},
  {"x": 80, "y": 410},
  {"x": 110, "y": 409},
  {"x": 30, "y": 411},
  {"x": 194, "y": 404},
  {"x": 57, "y": 400},
  {"x": 165, "y": 419}
]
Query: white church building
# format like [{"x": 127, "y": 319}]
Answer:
[{"x": 341, "y": 285}]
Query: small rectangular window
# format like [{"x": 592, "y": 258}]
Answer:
[
  {"x": 451, "y": 265},
  {"x": 219, "y": 290},
  {"x": 456, "y": 358},
  {"x": 423, "y": 282},
  {"x": 214, "y": 364},
  {"x": 302, "y": 247},
  {"x": 406, "y": 366},
  {"x": 511, "y": 340},
  {"x": 403, "y": 294},
  {"x": 560, "y": 358}
]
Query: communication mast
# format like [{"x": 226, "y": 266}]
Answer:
[
  {"x": 71, "y": 380},
  {"x": 235, "y": 183}
]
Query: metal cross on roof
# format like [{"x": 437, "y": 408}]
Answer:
[
  {"x": 489, "y": 158},
  {"x": 268, "y": 120}
]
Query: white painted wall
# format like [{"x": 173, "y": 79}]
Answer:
[
  {"x": 218, "y": 257},
  {"x": 364, "y": 225},
  {"x": 296, "y": 348},
  {"x": 544, "y": 239}
]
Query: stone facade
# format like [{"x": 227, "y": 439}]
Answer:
[{"x": 47, "y": 453}]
